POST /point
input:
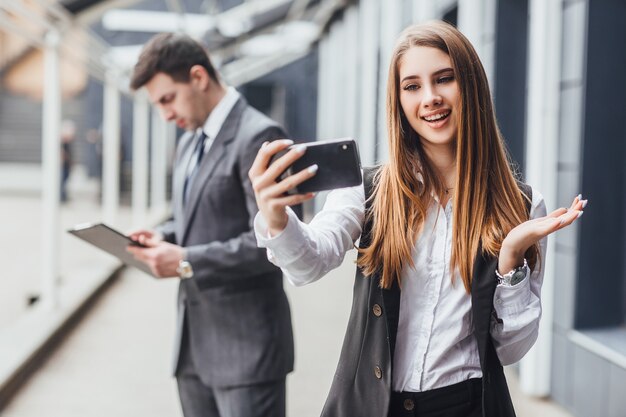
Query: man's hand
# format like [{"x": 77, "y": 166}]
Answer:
[
  {"x": 143, "y": 235},
  {"x": 162, "y": 257}
]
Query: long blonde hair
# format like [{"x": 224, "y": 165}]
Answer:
[{"x": 487, "y": 202}]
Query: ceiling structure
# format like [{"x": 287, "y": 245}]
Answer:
[{"x": 246, "y": 39}]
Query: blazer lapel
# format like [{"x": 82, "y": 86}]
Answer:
[
  {"x": 185, "y": 148},
  {"x": 483, "y": 288},
  {"x": 391, "y": 301},
  {"x": 209, "y": 162}
]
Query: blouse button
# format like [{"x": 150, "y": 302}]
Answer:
[
  {"x": 378, "y": 372},
  {"x": 409, "y": 405}
]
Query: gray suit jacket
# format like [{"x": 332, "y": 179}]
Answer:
[{"x": 237, "y": 311}]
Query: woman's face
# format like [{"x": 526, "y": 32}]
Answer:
[{"x": 429, "y": 95}]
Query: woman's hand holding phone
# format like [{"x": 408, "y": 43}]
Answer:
[{"x": 271, "y": 194}]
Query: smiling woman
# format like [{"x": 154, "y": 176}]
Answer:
[
  {"x": 448, "y": 285},
  {"x": 429, "y": 95}
]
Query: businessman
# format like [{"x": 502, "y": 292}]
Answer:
[{"x": 234, "y": 346}]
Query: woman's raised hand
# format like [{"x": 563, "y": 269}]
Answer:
[
  {"x": 271, "y": 194},
  {"x": 530, "y": 232}
]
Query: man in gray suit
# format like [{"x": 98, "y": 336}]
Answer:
[{"x": 235, "y": 344}]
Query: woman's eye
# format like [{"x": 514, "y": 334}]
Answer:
[
  {"x": 444, "y": 80},
  {"x": 411, "y": 87}
]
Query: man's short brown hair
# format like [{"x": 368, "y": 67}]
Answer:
[{"x": 173, "y": 55}]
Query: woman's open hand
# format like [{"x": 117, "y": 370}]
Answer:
[
  {"x": 271, "y": 195},
  {"x": 530, "y": 232}
]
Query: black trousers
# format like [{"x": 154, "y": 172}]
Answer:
[{"x": 459, "y": 400}]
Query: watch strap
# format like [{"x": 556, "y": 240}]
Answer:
[{"x": 514, "y": 276}]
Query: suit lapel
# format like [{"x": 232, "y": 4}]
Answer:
[
  {"x": 209, "y": 162},
  {"x": 185, "y": 148}
]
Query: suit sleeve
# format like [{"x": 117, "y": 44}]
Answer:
[
  {"x": 167, "y": 229},
  {"x": 238, "y": 256}
]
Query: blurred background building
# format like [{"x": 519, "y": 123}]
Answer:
[{"x": 556, "y": 70}]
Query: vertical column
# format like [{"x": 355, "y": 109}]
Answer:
[
  {"x": 470, "y": 18},
  {"x": 170, "y": 146},
  {"x": 335, "y": 79},
  {"x": 111, "y": 150},
  {"x": 477, "y": 21},
  {"x": 325, "y": 76},
  {"x": 541, "y": 166},
  {"x": 368, "y": 81},
  {"x": 141, "y": 120},
  {"x": 488, "y": 41},
  {"x": 166, "y": 128},
  {"x": 155, "y": 134},
  {"x": 158, "y": 164},
  {"x": 390, "y": 27},
  {"x": 350, "y": 79},
  {"x": 321, "y": 87},
  {"x": 424, "y": 10},
  {"x": 51, "y": 157},
  {"x": 168, "y": 160}
]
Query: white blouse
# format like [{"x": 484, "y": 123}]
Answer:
[{"x": 435, "y": 346}]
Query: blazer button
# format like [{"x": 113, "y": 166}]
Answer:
[
  {"x": 378, "y": 311},
  {"x": 378, "y": 372},
  {"x": 409, "y": 405}
]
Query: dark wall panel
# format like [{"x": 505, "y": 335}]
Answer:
[
  {"x": 600, "y": 289},
  {"x": 299, "y": 81},
  {"x": 510, "y": 75}
]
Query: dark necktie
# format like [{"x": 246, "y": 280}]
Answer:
[{"x": 198, "y": 153}]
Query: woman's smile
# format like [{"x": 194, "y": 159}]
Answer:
[{"x": 437, "y": 119}]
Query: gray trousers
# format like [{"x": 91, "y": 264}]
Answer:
[{"x": 199, "y": 400}]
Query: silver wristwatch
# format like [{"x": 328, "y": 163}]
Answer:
[
  {"x": 514, "y": 276},
  {"x": 184, "y": 270}
]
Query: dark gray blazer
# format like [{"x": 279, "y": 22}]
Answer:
[
  {"x": 237, "y": 312},
  {"x": 362, "y": 383}
]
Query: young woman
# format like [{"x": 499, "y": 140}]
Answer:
[{"x": 451, "y": 244}]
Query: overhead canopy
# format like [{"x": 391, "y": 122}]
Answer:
[
  {"x": 77, "y": 6},
  {"x": 246, "y": 39}
]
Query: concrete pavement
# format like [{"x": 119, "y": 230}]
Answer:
[{"x": 116, "y": 362}]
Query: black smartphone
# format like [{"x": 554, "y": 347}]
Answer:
[{"x": 338, "y": 164}]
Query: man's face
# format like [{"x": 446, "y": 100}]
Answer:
[{"x": 180, "y": 102}]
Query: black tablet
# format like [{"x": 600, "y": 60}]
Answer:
[{"x": 110, "y": 241}]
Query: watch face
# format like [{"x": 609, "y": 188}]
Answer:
[
  {"x": 518, "y": 276},
  {"x": 184, "y": 270}
]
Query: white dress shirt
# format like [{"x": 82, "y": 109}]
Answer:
[
  {"x": 212, "y": 126},
  {"x": 214, "y": 122},
  {"x": 435, "y": 346}
]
